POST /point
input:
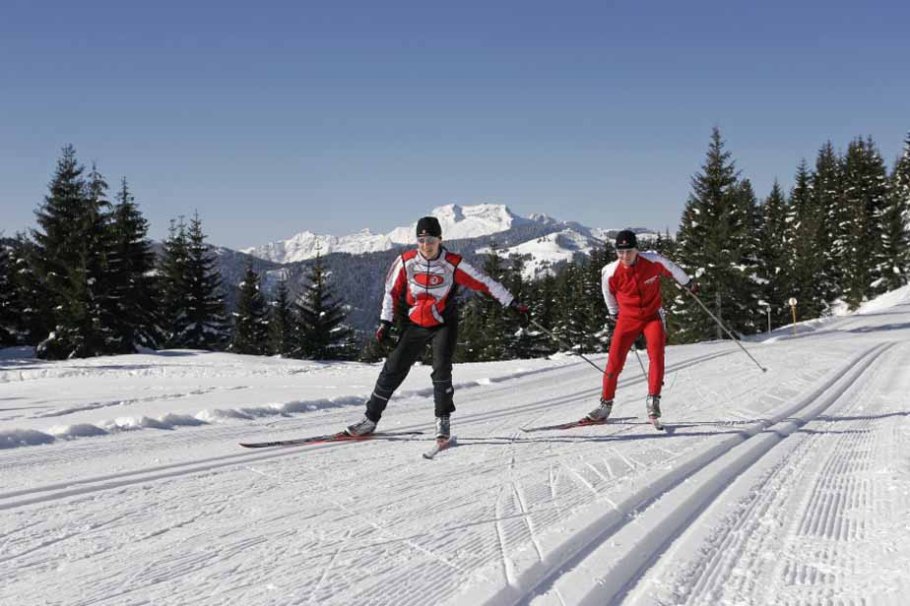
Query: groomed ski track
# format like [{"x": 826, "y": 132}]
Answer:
[{"x": 756, "y": 471}]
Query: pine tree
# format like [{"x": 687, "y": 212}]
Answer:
[
  {"x": 193, "y": 302},
  {"x": 173, "y": 281},
  {"x": 598, "y": 338},
  {"x": 495, "y": 344},
  {"x": 896, "y": 220},
  {"x": 811, "y": 283},
  {"x": 572, "y": 325},
  {"x": 33, "y": 301},
  {"x": 865, "y": 198},
  {"x": 281, "y": 322},
  {"x": 716, "y": 245},
  {"x": 251, "y": 324},
  {"x": 544, "y": 309},
  {"x": 775, "y": 249},
  {"x": 207, "y": 326},
  {"x": 321, "y": 330},
  {"x": 826, "y": 191},
  {"x": 70, "y": 256},
  {"x": 522, "y": 342},
  {"x": 135, "y": 318},
  {"x": 482, "y": 323},
  {"x": 9, "y": 304}
]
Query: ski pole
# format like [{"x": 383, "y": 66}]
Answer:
[
  {"x": 560, "y": 341},
  {"x": 719, "y": 323}
]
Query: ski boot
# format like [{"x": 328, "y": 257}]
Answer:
[
  {"x": 443, "y": 428},
  {"x": 601, "y": 413},
  {"x": 363, "y": 427}
]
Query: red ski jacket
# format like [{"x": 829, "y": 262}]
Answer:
[
  {"x": 634, "y": 292},
  {"x": 429, "y": 284}
]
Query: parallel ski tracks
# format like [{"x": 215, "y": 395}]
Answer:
[
  {"x": 566, "y": 575},
  {"x": 79, "y": 487}
]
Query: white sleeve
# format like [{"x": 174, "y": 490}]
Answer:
[
  {"x": 388, "y": 299},
  {"x": 609, "y": 298},
  {"x": 675, "y": 270},
  {"x": 477, "y": 280}
]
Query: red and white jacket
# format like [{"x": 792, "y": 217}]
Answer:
[
  {"x": 634, "y": 292},
  {"x": 429, "y": 284}
]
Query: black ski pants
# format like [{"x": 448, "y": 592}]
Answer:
[{"x": 410, "y": 347}]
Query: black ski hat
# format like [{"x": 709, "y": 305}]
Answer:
[
  {"x": 626, "y": 240},
  {"x": 429, "y": 226}
]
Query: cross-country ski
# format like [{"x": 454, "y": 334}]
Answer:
[{"x": 332, "y": 437}]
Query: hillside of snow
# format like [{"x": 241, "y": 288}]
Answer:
[{"x": 123, "y": 481}]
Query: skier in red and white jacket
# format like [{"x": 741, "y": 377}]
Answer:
[
  {"x": 428, "y": 277},
  {"x": 631, "y": 290}
]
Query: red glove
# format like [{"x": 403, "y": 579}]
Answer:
[{"x": 692, "y": 286}]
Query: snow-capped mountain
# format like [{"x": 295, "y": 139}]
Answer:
[
  {"x": 547, "y": 251},
  {"x": 307, "y": 245},
  {"x": 547, "y": 240},
  {"x": 458, "y": 223}
]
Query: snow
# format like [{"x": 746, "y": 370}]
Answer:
[
  {"x": 123, "y": 481},
  {"x": 546, "y": 252}
]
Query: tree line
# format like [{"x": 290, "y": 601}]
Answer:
[{"x": 85, "y": 282}]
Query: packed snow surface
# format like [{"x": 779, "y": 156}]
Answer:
[{"x": 123, "y": 481}]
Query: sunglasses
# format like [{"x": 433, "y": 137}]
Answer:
[{"x": 427, "y": 239}]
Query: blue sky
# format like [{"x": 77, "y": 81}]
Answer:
[{"x": 274, "y": 117}]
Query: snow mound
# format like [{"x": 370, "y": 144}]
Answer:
[{"x": 14, "y": 438}]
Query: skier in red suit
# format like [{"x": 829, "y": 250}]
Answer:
[{"x": 631, "y": 289}]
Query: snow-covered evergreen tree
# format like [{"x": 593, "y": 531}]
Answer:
[
  {"x": 193, "y": 302},
  {"x": 70, "y": 257},
  {"x": 865, "y": 197},
  {"x": 717, "y": 246},
  {"x": 9, "y": 303},
  {"x": 322, "y": 333},
  {"x": 135, "y": 318},
  {"x": 482, "y": 324},
  {"x": 172, "y": 279},
  {"x": 896, "y": 220},
  {"x": 598, "y": 332},
  {"x": 207, "y": 326},
  {"x": 251, "y": 322},
  {"x": 775, "y": 254},
  {"x": 522, "y": 341},
  {"x": 281, "y": 322}
]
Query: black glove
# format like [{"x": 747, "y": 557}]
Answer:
[
  {"x": 692, "y": 286},
  {"x": 524, "y": 313},
  {"x": 611, "y": 321},
  {"x": 382, "y": 332}
]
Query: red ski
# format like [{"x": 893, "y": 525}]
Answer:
[{"x": 333, "y": 437}]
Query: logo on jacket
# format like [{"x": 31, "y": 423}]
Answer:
[{"x": 429, "y": 280}]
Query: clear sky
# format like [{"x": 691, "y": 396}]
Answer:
[{"x": 270, "y": 118}]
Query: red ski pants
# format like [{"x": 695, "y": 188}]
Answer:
[{"x": 624, "y": 335}]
